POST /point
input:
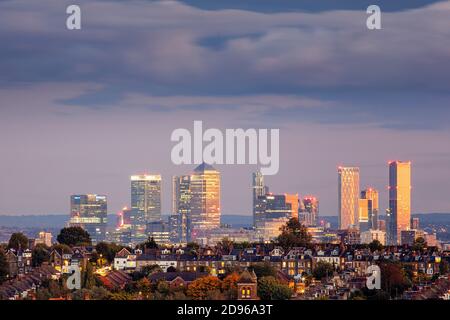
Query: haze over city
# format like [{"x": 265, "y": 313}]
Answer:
[{"x": 82, "y": 112}]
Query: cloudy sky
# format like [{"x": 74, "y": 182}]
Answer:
[{"x": 80, "y": 111}]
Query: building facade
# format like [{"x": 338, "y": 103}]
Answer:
[
  {"x": 399, "y": 200},
  {"x": 205, "y": 199},
  {"x": 89, "y": 212},
  {"x": 145, "y": 204},
  {"x": 348, "y": 196}
]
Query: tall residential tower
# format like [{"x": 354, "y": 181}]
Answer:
[
  {"x": 348, "y": 197},
  {"x": 399, "y": 200}
]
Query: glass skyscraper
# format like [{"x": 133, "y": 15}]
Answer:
[
  {"x": 205, "y": 200},
  {"x": 399, "y": 200},
  {"x": 145, "y": 203},
  {"x": 89, "y": 211},
  {"x": 181, "y": 207},
  {"x": 348, "y": 197}
]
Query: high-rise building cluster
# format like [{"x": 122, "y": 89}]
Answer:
[
  {"x": 360, "y": 211},
  {"x": 196, "y": 210}
]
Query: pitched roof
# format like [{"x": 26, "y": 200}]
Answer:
[{"x": 247, "y": 277}]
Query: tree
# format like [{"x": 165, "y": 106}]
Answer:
[
  {"x": 201, "y": 288},
  {"x": 322, "y": 270},
  {"x": 419, "y": 244},
  {"x": 40, "y": 255},
  {"x": 444, "y": 267},
  {"x": 3, "y": 266},
  {"x": 172, "y": 269},
  {"x": 61, "y": 248},
  {"x": 150, "y": 244},
  {"x": 18, "y": 241},
  {"x": 293, "y": 234},
  {"x": 88, "y": 278},
  {"x": 74, "y": 236},
  {"x": 149, "y": 270},
  {"x": 264, "y": 270},
  {"x": 269, "y": 288},
  {"x": 393, "y": 278},
  {"x": 375, "y": 245},
  {"x": 229, "y": 285},
  {"x": 107, "y": 250},
  {"x": 225, "y": 246}
]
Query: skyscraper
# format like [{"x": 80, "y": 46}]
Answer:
[
  {"x": 181, "y": 206},
  {"x": 363, "y": 214},
  {"x": 258, "y": 190},
  {"x": 372, "y": 196},
  {"x": 89, "y": 211},
  {"x": 145, "y": 203},
  {"x": 205, "y": 199},
  {"x": 348, "y": 196},
  {"x": 399, "y": 200}
]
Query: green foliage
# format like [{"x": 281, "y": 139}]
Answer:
[
  {"x": 293, "y": 234},
  {"x": 269, "y": 288},
  {"x": 375, "y": 245},
  {"x": 444, "y": 267},
  {"x": 61, "y": 248},
  {"x": 74, "y": 236},
  {"x": 40, "y": 254},
  {"x": 264, "y": 270},
  {"x": 419, "y": 244},
  {"x": 323, "y": 270},
  {"x": 107, "y": 250},
  {"x": 18, "y": 240},
  {"x": 149, "y": 270},
  {"x": 88, "y": 278}
]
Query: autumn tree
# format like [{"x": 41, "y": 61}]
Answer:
[
  {"x": 375, "y": 245},
  {"x": 202, "y": 288},
  {"x": 229, "y": 285},
  {"x": 393, "y": 278},
  {"x": 293, "y": 234}
]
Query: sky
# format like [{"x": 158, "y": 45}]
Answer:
[{"x": 83, "y": 110}]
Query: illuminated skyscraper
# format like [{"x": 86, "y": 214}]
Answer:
[
  {"x": 89, "y": 211},
  {"x": 363, "y": 214},
  {"x": 205, "y": 199},
  {"x": 371, "y": 195},
  {"x": 181, "y": 206},
  {"x": 145, "y": 203},
  {"x": 399, "y": 200},
  {"x": 348, "y": 196}
]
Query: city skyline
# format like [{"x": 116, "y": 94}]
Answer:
[{"x": 335, "y": 102}]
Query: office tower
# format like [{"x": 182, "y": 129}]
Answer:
[
  {"x": 292, "y": 201},
  {"x": 159, "y": 231},
  {"x": 372, "y": 196},
  {"x": 348, "y": 196},
  {"x": 205, "y": 199},
  {"x": 258, "y": 190},
  {"x": 273, "y": 211},
  {"x": 125, "y": 217},
  {"x": 310, "y": 211},
  {"x": 363, "y": 214},
  {"x": 415, "y": 224},
  {"x": 145, "y": 203},
  {"x": 408, "y": 237},
  {"x": 89, "y": 211},
  {"x": 399, "y": 200},
  {"x": 382, "y": 225},
  {"x": 181, "y": 206}
]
